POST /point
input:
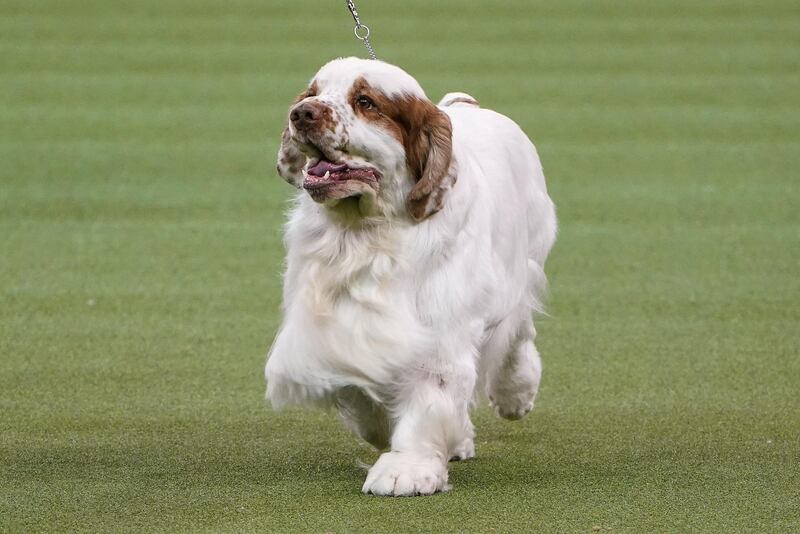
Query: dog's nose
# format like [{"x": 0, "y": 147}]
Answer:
[{"x": 306, "y": 115}]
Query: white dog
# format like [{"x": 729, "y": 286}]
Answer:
[{"x": 416, "y": 249}]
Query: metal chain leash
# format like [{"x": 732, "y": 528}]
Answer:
[{"x": 361, "y": 30}]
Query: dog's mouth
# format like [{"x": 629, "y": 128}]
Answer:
[{"x": 327, "y": 180}]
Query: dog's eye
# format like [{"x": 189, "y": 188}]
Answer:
[{"x": 365, "y": 102}]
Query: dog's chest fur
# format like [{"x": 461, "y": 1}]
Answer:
[
  {"x": 348, "y": 267},
  {"x": 351, "y": 288}
]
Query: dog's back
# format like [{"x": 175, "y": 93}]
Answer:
[{"x": 514, "y": 190}]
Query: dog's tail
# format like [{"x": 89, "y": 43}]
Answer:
[{"x": 459, "y": 99}]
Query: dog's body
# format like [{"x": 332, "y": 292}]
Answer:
[{"x": 413, "y": 272}]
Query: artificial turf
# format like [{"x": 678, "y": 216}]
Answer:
[{"x": 140, "y": 258}]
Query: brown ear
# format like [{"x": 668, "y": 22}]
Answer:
[{"x": 429, "y": 156}]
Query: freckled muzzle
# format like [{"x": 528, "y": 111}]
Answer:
[
  {"x": 323, "y": 139},
  {"x": 316, "y": 130},
  {"x": 309, "y": 115}
]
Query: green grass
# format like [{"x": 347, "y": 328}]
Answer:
[{"x": 140, "y": 260}]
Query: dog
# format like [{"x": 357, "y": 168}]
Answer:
[{"x": 415, "y": 262}]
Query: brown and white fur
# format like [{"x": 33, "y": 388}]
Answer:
[{"x": 415, "y": 261}]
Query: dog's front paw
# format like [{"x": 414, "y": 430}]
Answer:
[{"x": 405, "y": 474}]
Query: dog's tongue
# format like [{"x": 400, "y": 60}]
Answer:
[{"x": 323, "y": 166}]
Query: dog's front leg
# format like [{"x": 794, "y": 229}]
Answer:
[{"x": 432, "y": 425}]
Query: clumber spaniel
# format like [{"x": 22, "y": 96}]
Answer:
[{"x": 415, "y": 256}]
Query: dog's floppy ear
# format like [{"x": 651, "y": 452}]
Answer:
[{"x": 429, "y": 154}]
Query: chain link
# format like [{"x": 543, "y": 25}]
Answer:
[{"x": 361, "y": 30}]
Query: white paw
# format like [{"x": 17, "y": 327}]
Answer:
[
  {"x": 511, "y": 407},
  {"x": 465, "y": 451},
  {"x": 402, "y": 473},
  {"x": 512, "y": 390}
]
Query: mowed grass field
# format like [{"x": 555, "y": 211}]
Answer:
[{"x": 140, "y": 259}]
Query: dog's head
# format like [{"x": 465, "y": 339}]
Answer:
[{"x": 364, "y": 132}]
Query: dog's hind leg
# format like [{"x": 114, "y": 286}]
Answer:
[
  {"x": 514, "y": 381},
  {"x": 466, "y": 449}
]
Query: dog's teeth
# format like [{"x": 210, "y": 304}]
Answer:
[{"x": 327, "y": 175}]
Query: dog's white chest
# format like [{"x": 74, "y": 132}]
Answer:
[
  {"x": 331, "y": 288},
  {"x": 358, "y": 307}
]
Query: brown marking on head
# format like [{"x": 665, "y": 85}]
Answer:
[
  {"x": 384, "y": 110},
  {"x": 426, "y": 135}
]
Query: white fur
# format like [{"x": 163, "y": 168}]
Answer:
[
  {"x": 398, "y": 323},
  {"x": 391, "y": 80}
]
